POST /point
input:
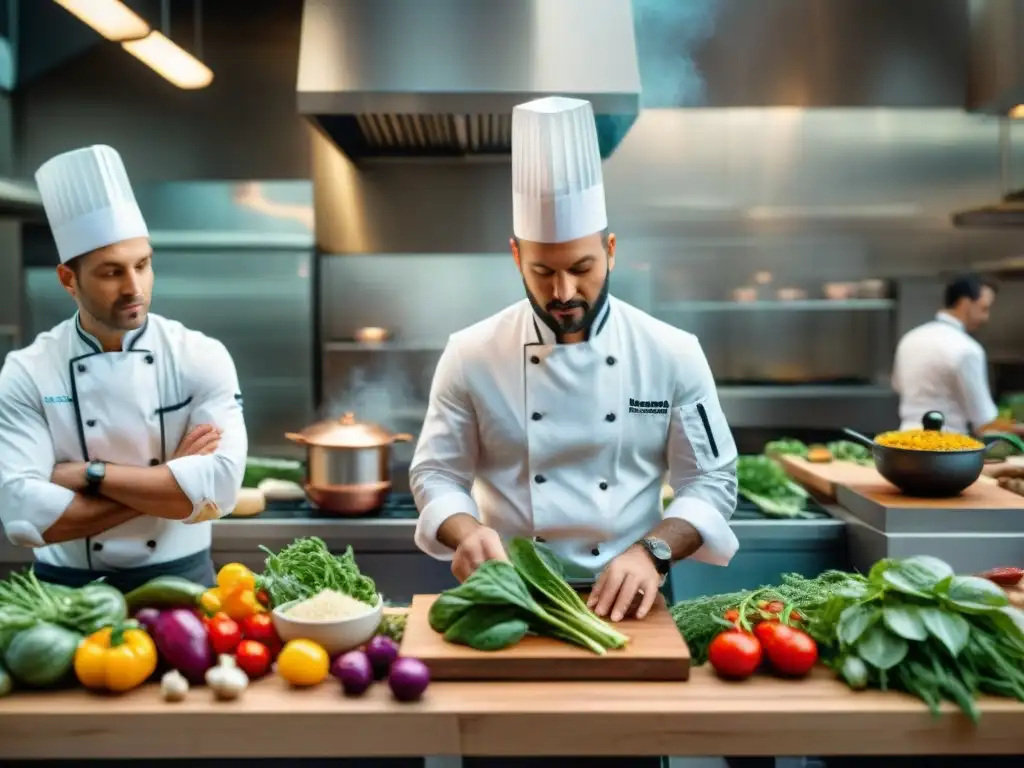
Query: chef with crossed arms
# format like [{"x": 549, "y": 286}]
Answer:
[
  {"x": 121, "y": 432},
  {"x": 564, "y": 412}
]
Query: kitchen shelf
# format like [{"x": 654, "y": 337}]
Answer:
[
  {"x": 802, "y": 305},
  {"x": 384, "y": 346}
]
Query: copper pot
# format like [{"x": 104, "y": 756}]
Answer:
[{"x": 348, "y": 464}]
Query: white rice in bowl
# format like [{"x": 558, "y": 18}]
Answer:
[{"x": 328, "y": 605}]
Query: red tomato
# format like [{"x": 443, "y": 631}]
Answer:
[
  {"x": 732, "y": 615},
  {"x": 734, "y": 654},
  {"x": 263, "y": 598},
  {"x": 792, "y": 652},
  {"x": 260, "y": 627},
  {"x": 775, "y": 606},
  {"x": 225, "y": 634},
  {"x": 765, "y": 632},
  {"x": 253, "y": 658}
]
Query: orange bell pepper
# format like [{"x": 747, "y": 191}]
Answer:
[{"x": 117, "y": 658}]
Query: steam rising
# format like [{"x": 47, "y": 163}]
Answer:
[{"x": 668, "y": 34}]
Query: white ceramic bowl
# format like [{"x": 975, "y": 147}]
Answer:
[{"x": 333, "y": 636}]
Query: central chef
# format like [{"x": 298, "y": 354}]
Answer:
[
  {"x": 564, "y": 411},
  {"x": 121, "y": 432}
]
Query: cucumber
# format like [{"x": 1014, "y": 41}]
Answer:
[
  {"x": 42, "y": 655},
  {"x": 165, "y": 592},
  {"x": 5, "y": 682}
]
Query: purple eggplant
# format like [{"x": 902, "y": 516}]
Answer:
[
  {"x": 183, "y": 643},
  {"x": 147, "y": 618}
]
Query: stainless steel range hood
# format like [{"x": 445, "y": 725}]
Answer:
[
  {"x": 20, "y": 199},
  {"x": 995, "y": 86},
  {"x": 409, "y": 78}
]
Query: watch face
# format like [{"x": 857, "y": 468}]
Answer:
[
  {"x": 660, "y": 549},
  {"x": 95, "y": 472}
]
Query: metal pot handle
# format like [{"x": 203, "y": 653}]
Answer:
[
  {"x": 402, "y": 437},
  {"x": 295, "y": 437},
  {"x": 862, "y": 439}
]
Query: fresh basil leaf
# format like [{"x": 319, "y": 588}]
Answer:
[
  {"x": 852, "y": 590},
  {"x": 950, "y": 629},
  {"x": 905, "y": 621},
  {"x": 882, "y": 649},
  {"x": 974, "y": 590},
  {"x": 901, "y": 582},
  {"x": 930, "y": 570},
  {"x": 878, "y": 570},
  {"x": 1010, "y": 620},
  {"x": 854, "y": 622}
]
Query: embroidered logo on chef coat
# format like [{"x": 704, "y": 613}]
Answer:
[
  {"x": 57, "y": 399},
  {"x": 648, "y": 406}
]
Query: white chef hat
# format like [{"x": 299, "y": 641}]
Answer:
[
  {"x": 88, "y": 200},
  {"x": 557, "y": 186}
]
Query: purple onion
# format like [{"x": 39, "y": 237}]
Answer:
[
  {"x": 183, "y": 643},
  {"x": 355, "y": 672},
  {"x": 408, "y": 679},
  {"x": 382, "y": 652},
  {"x": 147, "y": 618}
]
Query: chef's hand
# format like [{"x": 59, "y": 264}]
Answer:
[
  {"x": 200, "y": 441},
  {"x": 476, "y": 548},
  {"x": 628, "y": 585}
]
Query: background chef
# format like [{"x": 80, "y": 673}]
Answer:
[
  {"x": 939, "y": 366},
  {"x": 564, "y": 411},
  {"x": 121, "y": 432}
]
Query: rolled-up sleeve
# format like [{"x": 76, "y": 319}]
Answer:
[
  {"x": 702, "y": 461},
  {"x": 972, "y": 378},
  {"x": 212, "y": 482},
  {"x": 444, "y": 465},
  {"x": 29, "y": 502}
]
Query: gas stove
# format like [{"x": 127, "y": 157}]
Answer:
[{"x": 399, "y": 506}]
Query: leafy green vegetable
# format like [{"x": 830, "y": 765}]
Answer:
[
  {"x": 762, "y": 481},
  {"x": 24, "y": 600},
  {"x": 844, "y": 450},
  {"x": 307, "y": 567},
  {"x": 42, "y": 655},
  {"x": 918, "y": 627},
  {"x": 786, "y": 446},
  {"x": 502, "y": 601}
]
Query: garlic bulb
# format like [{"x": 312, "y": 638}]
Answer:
[
  {"x": 173, "y": 686},
  {"x": 226, "y": 680}
]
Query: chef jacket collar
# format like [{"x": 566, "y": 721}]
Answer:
[
  {"x": 948, "y": 319},
  {"x": 598, "y": 336},
  {"x": 88, "y": 343}
]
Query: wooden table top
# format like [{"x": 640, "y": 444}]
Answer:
[{"x": 704, "y": 716}]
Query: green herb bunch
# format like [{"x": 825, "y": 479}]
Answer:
[
  {"x": 501, "y": 602},
  {"x": 914, "y": 625},
  {"x": 306, "y": 567},
  {"x": 766, "y": 484}
]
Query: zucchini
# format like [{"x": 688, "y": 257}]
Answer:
[
  {"x": 42, "y": 655},
  {"x": 5, "y": 682},
  {"x": 165, "y": 592}
]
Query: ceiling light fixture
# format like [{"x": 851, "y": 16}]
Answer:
[
  {"x": 170, "y": 61},
  {"x": 111, "y": 18}
]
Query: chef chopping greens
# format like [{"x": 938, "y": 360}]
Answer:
[
  {"x": 121, "y": 432},
  {"x": 559, "y": 417}
]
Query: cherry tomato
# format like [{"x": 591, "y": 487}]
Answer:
[
  {"x": 791, "y": 652},
  {"x": 775, "y": 606},
  {"x": 259, "y": 627},
  {"x": 732, "y": 615},
  {"x": 263, "y": 598},
  {"x": 253, "y": 658},
  {"x": 225, "y": 634},
  {"x": 765, "y": 632},
  {"x": 735, "y": 654}
]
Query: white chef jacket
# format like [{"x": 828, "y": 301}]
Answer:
[
  {"x": 528, "y": 435},
  {"x": 939, "y": 367},
  {"x": 63, "y": 399}
]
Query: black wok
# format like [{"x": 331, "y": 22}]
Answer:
[{"x": 928, "y": 474}]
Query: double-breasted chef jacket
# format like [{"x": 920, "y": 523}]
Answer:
[
  {"x": 63, "y": 399},
  {"x": 940, "y": 367},
  {"x": 528, "y": 435}
]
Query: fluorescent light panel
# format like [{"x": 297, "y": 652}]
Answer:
[
  {"x": 111, "y": 18},
  {"x": 170, "y": 61}
]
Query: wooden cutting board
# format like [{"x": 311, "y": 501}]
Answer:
[
  {"x": 984, "y": 494},
  {"x": 656, "y": 651},
  {"x": 823, "y": 478}
]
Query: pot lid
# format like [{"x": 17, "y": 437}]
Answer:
[{"x": 346, "y": 432}]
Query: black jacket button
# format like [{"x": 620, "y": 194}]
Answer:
[
  {"x": 610, "y": 417},
  {"x": 97, "y": 547},
  {"x": 610, "y": 360},
  {"x": 595, "y": 551},
  {"x": 534, "y": 359},
  {"x": 149, "y": 359},
  {"x": 540, "y": 479},
  {"x": 151, "y": 544},
  {"x": 154, "y": 462},
  {"x": 603, "y": 485},
  {"x": 81, "y": 368},
  {"x": 536, "y": 416},
  {"x": 91, "y": 423}
]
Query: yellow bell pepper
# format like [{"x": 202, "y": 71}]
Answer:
[
  {"x": 211, "y": 601},
  {"x": 235, "y": 576},
  {"x": 116, "y": 659},
  {"x": 240, "y": 604}
]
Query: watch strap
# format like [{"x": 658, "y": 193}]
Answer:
[
  {"x": 95, "y": 471},
  {"x": 661, "y": 564}
]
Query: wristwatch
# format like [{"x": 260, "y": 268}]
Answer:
[
  {"x": 660, "y": 553},
  {"x": 95, "y": 471}
]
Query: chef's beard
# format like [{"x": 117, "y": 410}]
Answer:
[
  {"x": 114, "y": 318},
  {"x": 560, "y": 327}
]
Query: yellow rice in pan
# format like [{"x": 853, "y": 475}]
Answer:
[{"x": 928, "y": 440}]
